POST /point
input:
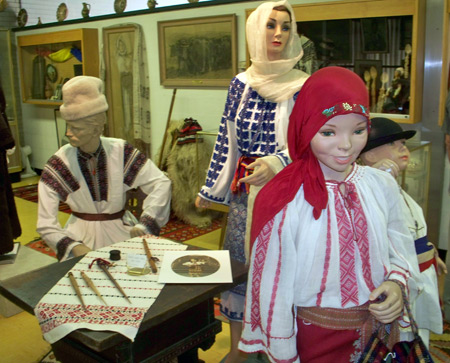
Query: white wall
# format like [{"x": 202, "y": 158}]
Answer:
[{"x": 204, "y": 105}]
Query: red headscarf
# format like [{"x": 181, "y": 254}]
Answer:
[{"x": 329, "y": 92}]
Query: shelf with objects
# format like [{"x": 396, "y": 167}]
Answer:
[
  {"x": 7, "y": 82},
  {"x": 382, "y": 41},
  {"x": 48, "y": 60},
  {"x": 415, "y": 179}
]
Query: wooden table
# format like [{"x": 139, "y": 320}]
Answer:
[{"x": 180, "y": 320}]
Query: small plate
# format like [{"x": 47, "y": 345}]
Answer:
[
  {"x": 22, "y": 17},
  {"x": 61, "y": 12},
  {"x": 119, "y": 6}
]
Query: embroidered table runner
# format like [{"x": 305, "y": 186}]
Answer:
[{"x": 60, "y": 311}]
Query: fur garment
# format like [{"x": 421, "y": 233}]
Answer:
[{"x": 180, "y": 163}]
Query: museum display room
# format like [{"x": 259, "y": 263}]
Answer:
[{"x": 165, "y": 63}]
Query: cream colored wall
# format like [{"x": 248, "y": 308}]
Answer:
[{"x": 205, "y": 105}]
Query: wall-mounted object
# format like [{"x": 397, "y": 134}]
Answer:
[
  {"x": 66, "y": 51},
  {"x": 22, "y": 17},
  {"x": 198, "y": 52}
]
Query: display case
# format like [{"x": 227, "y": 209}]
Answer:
[
  {"x": 415, "y": 180},
  {"x": 48, "y": 60},
  {"x": 382, "y": 41},
  {"x": 8, "y": 84}
]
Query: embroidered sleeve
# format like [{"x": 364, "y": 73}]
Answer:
[
  {"x": 133, "y": 162},
  {"x": 61, "y": 247},
  {"x": 225, "y": 154},
  {"x": 58, "y": 177},
  {"x": 150, "y": 224}
]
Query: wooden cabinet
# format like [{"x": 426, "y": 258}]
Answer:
[
  {"x": 9, "y": 89},
  {"x": 48, "y": 59}
]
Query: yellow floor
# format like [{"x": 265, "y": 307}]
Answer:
[{"x": 20, "y": 335}]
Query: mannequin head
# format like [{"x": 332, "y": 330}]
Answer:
[
  {"x": 277, "y": 32},
  {"x": 85, "y": 133},
  {"x": 84, "y": 107},
  {"x": 387, "y": 140}
]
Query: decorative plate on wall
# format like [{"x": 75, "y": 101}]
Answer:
[
  {"x": 119, "y": 6},
  {"x": 61, "y": 12},
  {"x": 22, "y": 17}
]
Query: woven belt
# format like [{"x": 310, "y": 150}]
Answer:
[{"x": 99, "y": 216}]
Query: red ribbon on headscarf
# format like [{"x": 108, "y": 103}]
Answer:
[{"x": 329, "y": 92}]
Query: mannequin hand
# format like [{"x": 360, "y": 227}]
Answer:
[
  {"x": 262, "y": 174},
  {"x": 80, "y": 250},
  {"x": 441, "y": 267},
  {"x": 202, "y": 203},
  {"x": 136, "y": 232},
  {"x": 391, "y": 308},
  {"x": 387, "y": 165}
]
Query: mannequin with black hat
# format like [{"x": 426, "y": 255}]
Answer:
[{"x": 386, "y": 150}]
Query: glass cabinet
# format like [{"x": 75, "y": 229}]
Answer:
[{"x": 48, "y": 60}]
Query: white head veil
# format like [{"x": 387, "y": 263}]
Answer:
[{"x": 274, "y": 80}]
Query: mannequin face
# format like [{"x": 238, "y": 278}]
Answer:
[
  {"x": 83, "y": 135},
  {"x": 338, "y": 143},
  {"x": 395, "y": 151},
  {"x": 278, "y": 30}
]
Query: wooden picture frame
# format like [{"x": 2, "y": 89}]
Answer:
[
  {"x": 118, "y": 45},
  {"x": 198, "y": 52},
  {"x": 374, "y": 35}
]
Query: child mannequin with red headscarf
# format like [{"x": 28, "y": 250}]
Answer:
[{"x": 329, "y": 239}]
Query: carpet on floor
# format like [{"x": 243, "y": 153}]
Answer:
[{"x": 440, "y": 345}]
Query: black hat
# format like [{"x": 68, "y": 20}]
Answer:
[{"x": 383, "y": 131}]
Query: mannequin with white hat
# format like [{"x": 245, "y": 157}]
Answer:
[{"x": 92, "y": 175}]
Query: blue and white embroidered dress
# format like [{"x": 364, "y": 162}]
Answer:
[{"x": 255, "y": 127}]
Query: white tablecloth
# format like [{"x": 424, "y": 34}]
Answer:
[{"x": 60, "y": 311}]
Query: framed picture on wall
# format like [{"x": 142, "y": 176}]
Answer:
[
  {"x": 198, "y": 52},
  {"x": 374, "y": 35}
]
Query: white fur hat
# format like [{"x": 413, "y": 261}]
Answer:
[{"x": 82, "y": 97}]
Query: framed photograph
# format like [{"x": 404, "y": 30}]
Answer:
[
  {"x": 198, "y": 52},
  {"x": 374, "y": 35},
  {"x": 196, "y": 267},
  {"x": 118, "y": 45}
]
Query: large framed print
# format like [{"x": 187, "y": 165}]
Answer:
[{"x": 198, "y": 52}]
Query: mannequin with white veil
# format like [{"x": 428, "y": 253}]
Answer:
[{"x": 251, "y": 145}]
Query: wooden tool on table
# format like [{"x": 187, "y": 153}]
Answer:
[
  {"x": 92, "y": 286},
  {"x": 74, "y": 283},
  {"x": 149, "y": 257},
  {"x": 103, "y": 264}
]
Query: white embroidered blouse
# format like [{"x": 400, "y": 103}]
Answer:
[{"x": 358, "y": 242}]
